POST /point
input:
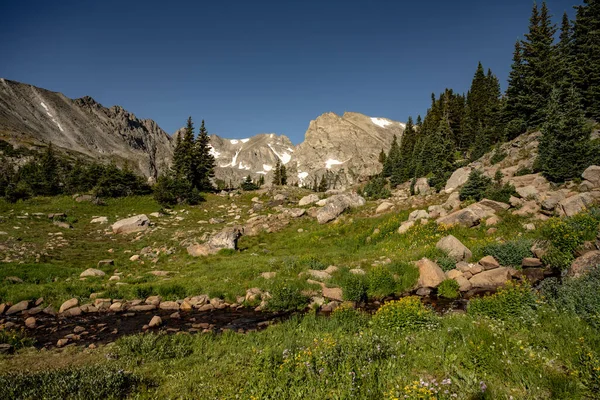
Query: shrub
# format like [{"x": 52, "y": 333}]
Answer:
[
  {"x": 448, "y": 289},
  {"x": 98, "y": 382},
  {"x": 16, "y": 338},
  {"x": 381, "y": 282},
  {"x": 349, "y": 317},
  {"x": 354, "y": 287},
  {"x": 512, "y": 301},
  {"x": 248, "y": 185},
  {"x": 475, "y": 187},
  {"x": 498, "y": 191},
  {"x": 286, "y": 297},
  {"x": 377, "y": 189},
  {"x": 580, "y": 296},
  {"x": 509, "y": 254},
  {"x": 523, "y": 171},
  {"x": 498, "y": 155},
  {"x": 407, "y": 313},
  {"x": 18, "y": 191},
  {"x": 446, "y": 263}
]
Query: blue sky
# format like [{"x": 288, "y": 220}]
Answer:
[{"x": 250, "y": 67}]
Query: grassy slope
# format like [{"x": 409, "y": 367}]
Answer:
[{"x": 539, "y": 355}]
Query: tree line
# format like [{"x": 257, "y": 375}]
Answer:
[{"x": 553, "y": 86}]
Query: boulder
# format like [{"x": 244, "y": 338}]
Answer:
[
  {"x": 457, "y": 179},
  {"x": 489, "y": 262},
  {"x": 318, "y": 274},
  {"x": 64, "y": 225},
  {"x": 333, "y": 293},
  {"x": 533, "y": 275},
  {"x": 155, "y": 322},
  {"x": 85, "y": 197},
  {"x": 453, "y": 273},
  {"x": 527, "y": 209},
  {"x": 491, "y": 279},
  {"x": 463, "y": 283},
  {"x": 383, "y": 207},
  {"x": 20, "y": 306},
  {"x": 454, "y": 248},
  {"x": 68, "y": 304},
  {"x": 417, "y": 215},
  {"x": 295, "y": 212},
  {"x": 405, "y": 226},
  {"x": 169, "y": 305},
  {"x": 552, "y": 199},
  {"x": 494, "y": 205},
  {"x": 106, "y": 263},
  {"x": 30, "y": 322},
  {"x": 592, "y": 174},
  {"x": 430, "y": 274},
  {"x": 585, "y": 263},
  {"x": 226, "y": 239},
  {"x": 528, "y": 192},
  {"x": 307, "y": 200},
  {"x": 574, "y": 204},
  {"x": 468, "y": 216},
  {"x": 422, "y": 186},
  {"x": 492, "y": 221},
  {"x": 99, "y": 220},
  {"x": 338, "y": 204},
  {"x": 91, "y": 272},
  {"x": 136, "y": 223},
  {"x": 453, "y": 202}
]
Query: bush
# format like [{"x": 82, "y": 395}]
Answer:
[
  {"x": 475, "y": 187},
  {"x": 509, "y": 254},
  {"x": 377, "y": 189},
  {"x": 446, "y": 263},
  {"x": 98, "y": 382},
  {"x": 18, "y": 191},
  {"x": 169, "y": 191},
  {"x": 523, "y": 171},
  {"x": 349, "y": 317},
  {"x": 248, "y": 185},
  {"x": 448, "y": 289},
  {"x": 407, "y": 313},
  {"x": 381, "y": 282},
  {"x": 510, "y": 302},
  {"x": 286, "y": 297},
  {"x": 498, "y": 155},
  {"x": 16, "y": 338},
  {"x": 354, "y": 287},
  {"x": 406, "y": 275},
  {"x": 580, "y": 296}
]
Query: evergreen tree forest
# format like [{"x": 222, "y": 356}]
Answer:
[
  {"x": 553, "y": 86},
  {"x": 191, "y": 171}
]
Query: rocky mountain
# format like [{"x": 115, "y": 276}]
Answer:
[
  {"x": 344, "y": 148},
  {"x": 35, "y": 116}
]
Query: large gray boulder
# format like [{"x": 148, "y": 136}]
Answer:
[
  {"x": 454, "y": 248},
  {"x": 430, "y": 274},
  {"x": 337, "y": 204},
  {"x": 585, "y": 263},
  {"x": 491, "y": 279},
  {"x": 226, "y": 239},
  {"x": 592, "y": 174},
  {"x": 575, "y": 204},
  {"x": 457, "y": 179},
  {"x": 422, "y": 186},
  {"x": 468, "y": 216},
  {"x": 133, "y": 224},
  {"x": 307, "y": 200}
]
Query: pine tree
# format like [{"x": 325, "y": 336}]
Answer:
[
  {"x": 283, "y": 175},
  {"x": 261, "y": 180},
  {"x": 406, "y": 169},
  {"x": 203, "y": 161},
  {"x": 382, "y": 157},
  {"x": 183, "y": 156},
  {"x": 392, "y": 158},
  {"x": 586, "y": 48},
  {"x": 539, "y": 57},
  {"x": 277, "y": 173},
  {"x": 49, "y": 167},
  {"x": 514, "y": 112},
  {"x": 564, "y": 55},
  {"x": 564, "y": 148},
  {"x": 323, "y": 185}
]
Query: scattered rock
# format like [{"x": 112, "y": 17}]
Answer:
[
  {"x": 405, "y": 226},
  {"x": 454, "y": 248},
  {"x": 99, "y": 220},
  {"x": 91, "y": 272},
  {"x": 268, "y": 275},
  {"x": 30, "y": 322},
  {"x": 105, "y": 263},
  {"x": 13, "y": 279},
  {"x": 592, "y": 174},
  {"x": 169, "y": 305},
  {"x": 491, "y": 279},
  {"x": 417, "y": 215},
  {"x": 430, "y": 274},
  {"x": 155, "y": 322},
  {"x": 422, "y": 186},
  {"x": 584, "y": 264},
  {"x": 338, "y": 204},
  {"x": 333, "y": 293},
  {"x": 67, "y": 305},
  {"x": 134, "y": 257},
  {"x": 319, "y": 274},
  {"x": 64, "y": 225},
  {"x": 20, "y": 306},
  {"x": 463, "y": 283},
  {"x": 133, "y": 224},
  {"x": 62, "y": 342},
  {"x": 226, "y": 239},
  {"x": 575, "y": 204},
  {"x": 489, "y": 262},
  {"x": 457, "y": 179},
  {"x": 357, "y": 271},
  {"x": 384, "y": 207},
  {"x": 307, "y": 200}
]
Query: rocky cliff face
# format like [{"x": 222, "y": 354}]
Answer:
[
  {"x": 343, "y": 148},
  {"x": 30, "y": 115}
]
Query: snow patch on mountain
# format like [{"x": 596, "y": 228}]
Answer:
[
  {"x": 382, "y": 122},
  {"x": 284, "y": 157},
  {"x": 331, "y": 162}
]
